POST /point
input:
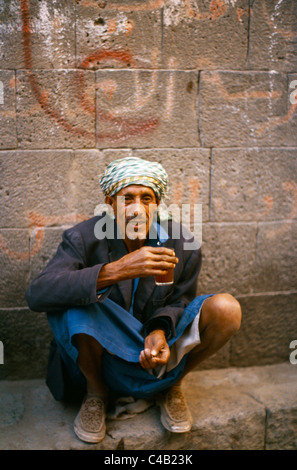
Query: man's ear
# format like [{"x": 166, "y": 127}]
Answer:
[{"x": 109, "y": 200}]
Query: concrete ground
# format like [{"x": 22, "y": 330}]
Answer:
[{"x": 238, "y": 408}]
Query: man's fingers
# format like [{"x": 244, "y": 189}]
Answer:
[
  {"x": 145, "y": 359},
  {"x": 163, "y": 356},
  {"x": 162, "y": 258},
  {"x": 161, "y": 250},
  {"x": 149, "y": 359},
  {"x": 164, "y": 262}
]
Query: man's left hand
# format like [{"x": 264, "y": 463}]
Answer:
[{"x": 156, "y": 350}]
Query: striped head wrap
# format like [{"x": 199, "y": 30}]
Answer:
[{"x": 132, "y": 170}]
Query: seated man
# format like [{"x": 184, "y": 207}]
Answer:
[{"x": 115, "y": 329}]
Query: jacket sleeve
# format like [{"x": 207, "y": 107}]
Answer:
[
  {"x": 184, "y": 292},
  {"x": 66, "y": 281}
]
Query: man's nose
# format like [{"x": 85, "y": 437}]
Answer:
[{"x": 137, "y": 208}]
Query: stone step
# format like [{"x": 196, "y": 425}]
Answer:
[{"x": 250, "y": 408}]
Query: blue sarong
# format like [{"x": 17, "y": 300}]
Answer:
[{"x": 119, "y": 333}]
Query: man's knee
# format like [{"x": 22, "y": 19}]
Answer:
[{"x": 225, "y": 311}]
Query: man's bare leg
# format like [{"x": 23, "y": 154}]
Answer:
[
  {"x": 220, "y": 319},
  {"x": 90, "y": 363},
  {"x": 89, "y": 424}
]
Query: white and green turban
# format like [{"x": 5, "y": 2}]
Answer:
[{"x": 133, "y": 170}]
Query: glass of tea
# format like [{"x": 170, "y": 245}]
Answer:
[{"x": 165, "y": 279}]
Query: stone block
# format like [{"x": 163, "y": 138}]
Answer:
[
  {"x": 238, "y": 426},
  {"x": 43, "y": 246},
  {"x": 228, "y": 258},
  {"x": 276, "y": 257},
  {"x": 281, "y": 408},
  {"x": 56, "y": 109},
  {"x": 291, "y": 117},
  {"x": 272, "y": 38},
  {"x": 26, "y": 337},
  {"x": 206, "y": 35},
  {"x": 87, "y": 166},
  {"x": 36, "y": 188},
  {"x": 253, "y": 184},
  {"x": 37, "y": 34},
  {"x": 147, "y": 432},
  {"x": 188, "y": 172},
  {"x": 143, "y": 109},
  {"x": 11, "y": 408},
  {"x": 14, "y": 256},
  {"x": 8, "y": 138},
  {"x": 240, "y": 109},
  {"x": 268, "y": 326},
  {"x": 119, "y": 35}
]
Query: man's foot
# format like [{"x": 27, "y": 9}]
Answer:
[
  {"x": 89, "y": 424},
  {"x": 175, "y": 415}
]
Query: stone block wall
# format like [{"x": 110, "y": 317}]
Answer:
[{"x": 208, "y": 88}]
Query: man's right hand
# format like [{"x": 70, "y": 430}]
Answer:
[
  {"x": 156, "y": 350},
  {"x": 144, "y": 262}
]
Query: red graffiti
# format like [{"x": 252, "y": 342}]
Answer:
[
  {"x": 37, "y": 224},
  {"x": 127, "y": 127}
]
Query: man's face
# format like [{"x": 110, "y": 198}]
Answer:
[{"x": 134, "y": 207}]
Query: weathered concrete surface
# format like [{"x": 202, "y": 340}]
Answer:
[
  {"x": 273, "y": 35},
  {"x": 253, "y": 184},
  {"x": 245, "y": 109},
  {"x": 8, "y": 135},
  {"x": 206, "y": 35},
  {"x": 236, "y": 408},
  {"x": 143, "y": 109},
  {"x": 55, "y": 108},
  {"x": 227, "y": 249},
  {"x": 268, "y": 327},
  {"x": 26, "y": 337},
  {"x": 15, "y": 270},
  {"x": 110, "y": 35},
  {"x": 51, "y": 32},
  {"x": 277, "y": 272}
]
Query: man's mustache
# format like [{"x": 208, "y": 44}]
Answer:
[{"x": 136, "y": 219}]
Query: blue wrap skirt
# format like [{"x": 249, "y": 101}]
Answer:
[{"x": 119, "y": 333}]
